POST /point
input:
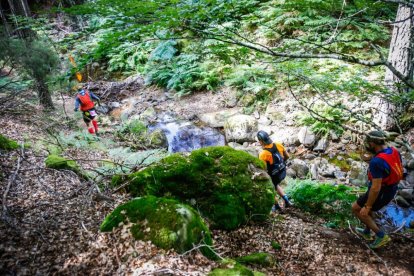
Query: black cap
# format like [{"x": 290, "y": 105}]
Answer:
[
  {"x": 376, "y": 136},
  {"x": 264, "y": 137}
]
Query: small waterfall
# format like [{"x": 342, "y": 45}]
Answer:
[{"x": 184, "y": 136}]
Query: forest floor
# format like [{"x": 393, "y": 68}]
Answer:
[{"x": 50, "y": 225}]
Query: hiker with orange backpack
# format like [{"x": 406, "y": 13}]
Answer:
[
  {"x": 275, "y": 157},
  {"x": 84, "y": 100}
]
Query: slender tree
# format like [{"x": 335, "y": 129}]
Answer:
[{"x": 401, "y": 58}]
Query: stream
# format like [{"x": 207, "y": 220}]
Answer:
[
  {"x": 184, "y": 136},
  {"x": 395, "y": 216}
]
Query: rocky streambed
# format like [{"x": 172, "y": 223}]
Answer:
[{"x": 219, "y": 118}]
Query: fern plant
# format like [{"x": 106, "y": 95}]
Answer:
[{"x": 329, "y": 119}]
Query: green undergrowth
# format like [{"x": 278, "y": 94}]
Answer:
[
  {"x": 260, "y": 258},
  {"x": 7, "y": 144},
  {"x": 332, "y": 203},
  {"x": 166, "y": 222},
  {"x": 218, "y": 180},
  {"x": 60, "y": 163},
  {"x": 229, "y": 267}
]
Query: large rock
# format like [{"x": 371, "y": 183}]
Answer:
[
  {"x": 148, "y": 115},
  {"x": 241, "y": 128},
  {"x": 407, "y": 194},
  {"x": 226, "y": 185},
  {"x": 286, "y": 135},
  {"x": 252, "y": 150},
  {"x": 217, "y": 119},
  {"x": 274, "y": 113},
  {"x": 156, "y": 139},
  {"x": 322, "y": 145},
  {"x": 306, "y": 137},
  {"x": 327, "y": 170},
  {"x": 410, "y": 178},
  {"x": 166, "y": 222},
  {"x": 410, "y": 164},
  {"x": 402, "y": 201},
  {"x": 314, "y": 171},
  {"x": 300, "y": 168},
  {"x": 358, "y": 173}
]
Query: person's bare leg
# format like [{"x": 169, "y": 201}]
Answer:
[
  {"x": 367, "y": 220},
  {"x": 280, "y": 191}
]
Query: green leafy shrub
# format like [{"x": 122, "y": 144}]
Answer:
[
  {"x": 330, "y": 202},
  {"x": 228, "y": 186},
  {"x": 253, "y": 80},
  {"x": 134, "y": 127},
  {"x": 128, "y": 57},
  {"x": 331, "y": 118},
  {"x": 183, "y": 74},
  {"x": 166, "y": 222}
]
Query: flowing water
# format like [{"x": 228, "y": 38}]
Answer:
[
  {"x": 394, "y": 217},
  {"x": 184, "y": 136}
]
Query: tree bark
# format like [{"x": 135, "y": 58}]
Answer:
[
  {"x": 43, "y": 94},
  {"x": 4, "y": 20},
  {"x": 400, "y": 56}
]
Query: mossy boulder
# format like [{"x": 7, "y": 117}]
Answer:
[
  {"x": 60, "y": 163},
  {"x": 228, "y": 186},
  {"x": 7, "y": 144},
  {"x": 140, "y": 137},
  {"x": 260, "y": 258},
  {"x": 166, "y": 222},
  {"x": 156, "y": 139}
]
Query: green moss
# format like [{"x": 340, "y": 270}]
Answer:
[
  {"x": 342, "y": 164},
  {"x": 7, "y": 144},
  {"x": 276, "y": 246},
  {"x": 61, "y": 163},
  {"x": 229, "y": 267},
  {"x": 330, "y": 202},
  {"x": 156, "y": 139},
  {"x": 355, "y": 156},
  {"x": 218, "y": 178},
  {"x": 261, "y": 258},
  {"x": 166, "y": 222}
]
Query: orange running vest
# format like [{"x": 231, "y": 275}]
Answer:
[
  {"x": 394, "y": 161},
  {"x": 86, "y": 101}
]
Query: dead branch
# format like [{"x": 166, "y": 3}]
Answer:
[{"x": 10, "y": 182}]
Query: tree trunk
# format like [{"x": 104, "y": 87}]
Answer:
[
  {"x": 400, "y": 56},
  {"x": 43, "y": 93},
  {"x": 4, "y": 20},
  {"x": 21, "y": 8}
]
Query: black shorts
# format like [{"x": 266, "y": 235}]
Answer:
[
  {"x": 277, "y": 179},
  {"x": 89, "y": 115},
  {"x": 386, "y": 194}
]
